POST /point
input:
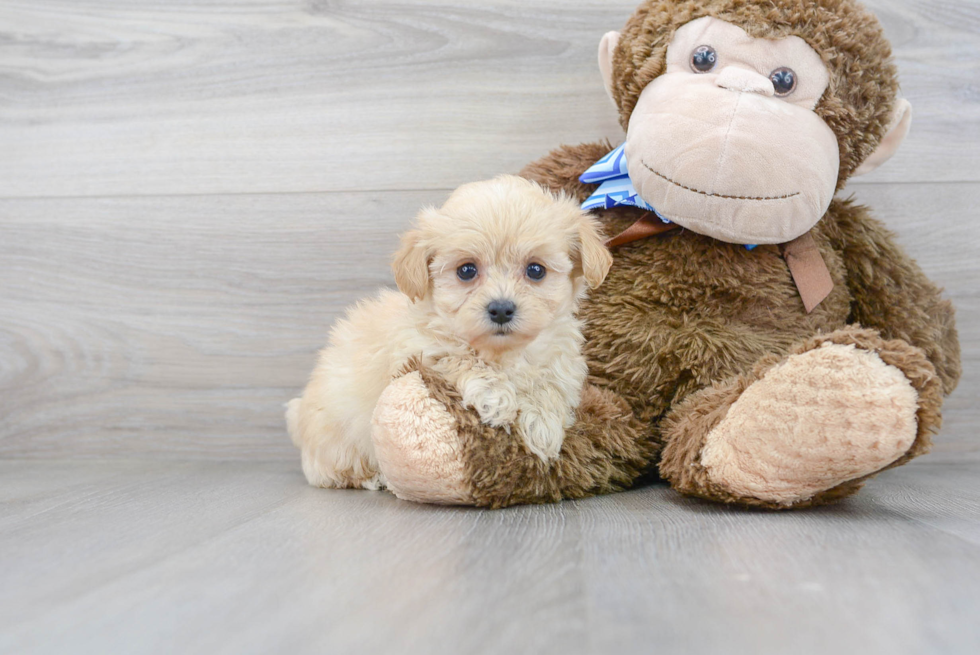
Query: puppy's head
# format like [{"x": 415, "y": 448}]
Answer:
[{"x": 501, "y": 260}]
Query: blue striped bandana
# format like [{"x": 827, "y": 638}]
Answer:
[{"x": 615, "y": 186}]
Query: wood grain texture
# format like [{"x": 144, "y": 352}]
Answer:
[
  {"x": 178, "y": 326},
  {"x": 123, "y": 557},
  {"x": 175, "y": 326},
  {"x": 191, "y": 191},
  {"x": 108, "y": 98}
]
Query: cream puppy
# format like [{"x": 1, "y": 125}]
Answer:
[{"x": 489, "y": 283}]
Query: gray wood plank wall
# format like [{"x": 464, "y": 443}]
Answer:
[{"x": 190, "y": 192}]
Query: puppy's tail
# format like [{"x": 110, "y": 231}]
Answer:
[{"x": 292, "y": 420}]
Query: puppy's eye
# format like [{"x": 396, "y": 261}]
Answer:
[
  {"x": 466, "y": 272},
  {"x": 703, "y": 59},
  {"x": 535, "y": 271}
]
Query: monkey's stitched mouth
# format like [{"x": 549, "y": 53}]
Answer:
[{"x": 716, "y": 195}]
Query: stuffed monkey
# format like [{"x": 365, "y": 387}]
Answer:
[{"x": 758, "y": 340}]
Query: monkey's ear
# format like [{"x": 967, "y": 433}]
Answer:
[
  {"x": 898, "y": 129},
  {"x": 594, "y": 258},
  {"x": 607, "y": 46},
  {"x": 411, "y": 266}
]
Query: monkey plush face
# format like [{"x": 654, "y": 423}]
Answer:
[
  {"x": 726, "y": 143},
  {"x": 741, "y": 129}
]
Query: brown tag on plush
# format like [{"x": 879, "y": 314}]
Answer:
[
  {"x": 647, "y": 226},
  {"x": 808, "y": 269}
]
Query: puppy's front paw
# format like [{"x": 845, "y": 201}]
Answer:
[
  {"x": 376, "y": 483},
  {"x": 543, "y": 433},
  {"x": 494, "y": 401}
]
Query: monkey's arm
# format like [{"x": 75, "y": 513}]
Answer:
[
  {"x": 432, "y": 449},
  {"x": 560, "y": 169},
  {"x": 892, "y": 294}
]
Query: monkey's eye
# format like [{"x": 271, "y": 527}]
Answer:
[
  {"x": 536, "y": 271},
  {"x": 783, "y": 81},
  {"x": 466, "y": 272},
  {"x": 704, "y": 59}
]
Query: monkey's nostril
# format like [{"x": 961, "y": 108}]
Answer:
[{"x": 501, "y": 311}]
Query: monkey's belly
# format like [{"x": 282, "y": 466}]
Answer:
[{"x": 680, "y": 312}]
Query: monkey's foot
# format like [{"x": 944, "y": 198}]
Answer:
[
  {"x": 432, "y": 449},
  {"x": 417, "y": 444},
  {"x": 807, "y": 429}
]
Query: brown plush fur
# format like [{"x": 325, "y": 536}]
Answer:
[
  {"x": 684, "y": 323},
  {"x": 605, "y": 451},
  {"x": 891, "y": 293}
]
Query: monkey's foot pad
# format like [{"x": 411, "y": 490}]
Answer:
[
  {"x": 816, "y": 420},
  {"x": 417, "y": 444}
]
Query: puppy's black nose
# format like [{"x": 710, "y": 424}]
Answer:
[{"x": 501, "y": 311}]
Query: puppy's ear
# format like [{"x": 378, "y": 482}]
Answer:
[
  {"x": 411, "y": 266},
  {"x": 593, "y": 257}
]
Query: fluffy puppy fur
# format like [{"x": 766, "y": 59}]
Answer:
[{"x": 525, "y": 370}]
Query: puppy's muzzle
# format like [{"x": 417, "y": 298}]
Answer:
[{"x": 501, "y": 311}]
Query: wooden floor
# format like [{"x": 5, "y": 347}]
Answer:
[
  {"x": 191, "y": 191},
  {"x": 243, "y": 557}
]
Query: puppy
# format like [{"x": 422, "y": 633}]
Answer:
[{"x": 489, "y": 283}]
